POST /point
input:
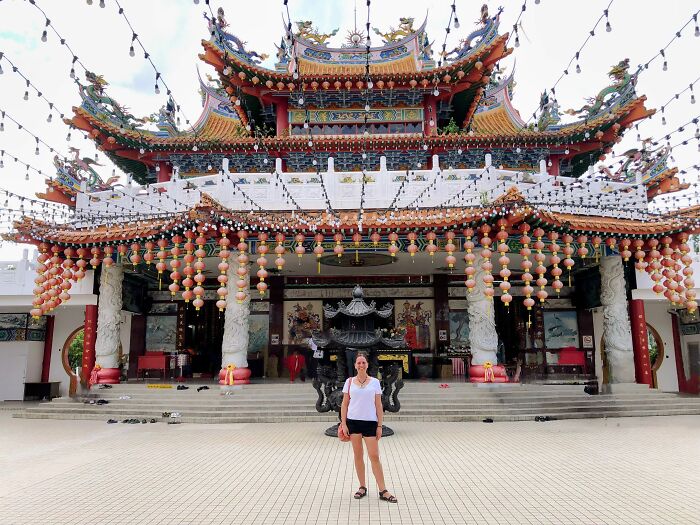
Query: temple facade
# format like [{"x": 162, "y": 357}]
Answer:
[{"x": 489, "y": 237}]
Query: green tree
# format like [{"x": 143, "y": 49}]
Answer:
[{"x": 75, "y": 350}]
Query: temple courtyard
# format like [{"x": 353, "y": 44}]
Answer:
[{"x": 601, "y": 471}]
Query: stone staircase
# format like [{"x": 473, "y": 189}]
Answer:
[{"x": 420, "y": 401}]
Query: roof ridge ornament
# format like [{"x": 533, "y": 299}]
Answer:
[
  {"x": 306, "y": 31},
  {"x": 404, "y": 29}
]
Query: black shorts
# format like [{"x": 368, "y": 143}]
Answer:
[{"x": 360, "y": 426}]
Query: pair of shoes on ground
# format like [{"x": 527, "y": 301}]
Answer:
[
  {"x": 102, "y": 387},
  {"x": 133, "y": 421},
  {"x": 204, "y": 387},
  {"x": 182, "y": 387},
  {"x": 488, "y": 420},
  {"x": 543, "y": 418},
  {"x": 362, "y": 492}
]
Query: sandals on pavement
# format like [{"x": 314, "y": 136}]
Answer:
[
  {"x": 389, "y": 498},
  {"x": 361, "y": 493}
]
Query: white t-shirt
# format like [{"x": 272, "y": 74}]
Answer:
[{"x": 362, "y": 405}]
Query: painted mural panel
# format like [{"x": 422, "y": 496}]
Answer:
[
  {"x": 258, "y": 332},
  {"x": 459, "y": 328},
  {"x": 161, "y": 332},
  {"x": 13, "y": 327},
  {"x": 560, "y": 328},
  {"x": 415, "y": 317},
  {"x": 301, "y": 318}
]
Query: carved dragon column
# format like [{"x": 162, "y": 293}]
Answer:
[
  {"x": 234, "y": 346},
  {"x": 109, "y": 309},
  {"x": 617, "y": 331},
  {"x": 483, "y": 339}
]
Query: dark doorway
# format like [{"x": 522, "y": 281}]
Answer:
[
  {"x": 203, "y": 336},
  {"x": 510, "y": 326}
]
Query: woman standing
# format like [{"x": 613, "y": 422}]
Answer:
[{"x": 361, "y": 418}]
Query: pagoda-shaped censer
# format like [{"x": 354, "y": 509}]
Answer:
[{"x": 354, "y": 331}]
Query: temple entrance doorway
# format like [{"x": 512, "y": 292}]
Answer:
[
  {"x": 511, "y": 333},
  {"x": 203, "y": 336}
]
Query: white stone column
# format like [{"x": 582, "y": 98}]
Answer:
[
  {"x": 109, "y": 309},
  {"x": 617, "y": 331},
  {"x": 483, "y": 339},
  {"x": 234, "y": 346}
]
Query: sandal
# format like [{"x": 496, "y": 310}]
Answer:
[
  {"x": 390, "y": 498},
  {"x": 361, "y": 493}
]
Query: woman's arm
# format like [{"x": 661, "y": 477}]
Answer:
[
  {"x": 344, "y": 414},
  {"x": 380, "y": 413}
]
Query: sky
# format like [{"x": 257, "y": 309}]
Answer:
[{"x": 550, "y": 32}]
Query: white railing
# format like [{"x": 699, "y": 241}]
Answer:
[{"x": 425, "y": 188}]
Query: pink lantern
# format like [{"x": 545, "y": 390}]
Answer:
[
  {"x": 262, "y": 286},
  {"x": 375, "y": 238},
  {"x": 338, "y": 248},
  {"x": 198, "y": 303},
  {"x": 240, "y": 297},
  {"x": 393, "y": 249}
]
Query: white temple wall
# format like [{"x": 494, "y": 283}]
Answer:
[
  {"x": 657, "y": 316},
  {"x": 20, "y": 362}
]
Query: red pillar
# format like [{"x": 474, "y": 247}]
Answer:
[
  {"x": 640, "y": 343},
  {"x": 282, "y": 117},
  {"x": 429, "y": 113},
  {"x": 554, "y": 168},
  {"x": 48, "y": 344},
  {"x": 165, "y": 173},
  {"x": 90, "y": 335}
]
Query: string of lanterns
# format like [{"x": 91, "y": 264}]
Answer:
[
  {"x": 577, "y": 54},
  {"x": 29, "y": 83},
  {"x": 147, "y": 56}
]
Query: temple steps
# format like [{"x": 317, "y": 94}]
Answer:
[{"x": 420, "y": 401}]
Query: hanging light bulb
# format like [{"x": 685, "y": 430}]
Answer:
[
  {"x": 44, "y": 36},
  {"x": 49, "y": 118},
  {"x": 102, "y": 4},
  {"x": 456, "y": 23},
  {"x": 26, "y": 176},
  {"x": 36, "y": 151},
  {"x": 366, "y": 107},
  {"x": 370, "y": 84},
  {"x": 157, "y": 89},
  {"x": 68, "y": 137},
  {"x": 131, "y": 51},
  {"x": 578, "y": 68},
  {"x": 301, "y": 101},
  {"x": 517, "y": 41},
  {"x": 26, "y": 95},
  {"x": 608, "y": 27},
  {"x": 665, "y": 66},
  {"x": 436, "y": 92},
  {"x": 663, "y": 120},
  {"x": 697, "y": 30},
  {"x": 692, "y": 98}
]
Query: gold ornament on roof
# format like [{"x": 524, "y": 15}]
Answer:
[
  {"x": 405, "y": 28},
  {"x": 306, "y": 31}
]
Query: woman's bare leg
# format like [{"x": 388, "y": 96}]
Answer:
[
  {"x": 358, "y": 452},
  {"x": 373, "y": 452}
]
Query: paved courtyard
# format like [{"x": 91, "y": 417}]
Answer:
[{"x": 625, "y": 470}]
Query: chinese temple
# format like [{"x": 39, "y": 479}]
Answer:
[{"x": 388, "y": 165}]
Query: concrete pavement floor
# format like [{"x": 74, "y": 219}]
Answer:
[{"x": 605, "y": 471}]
